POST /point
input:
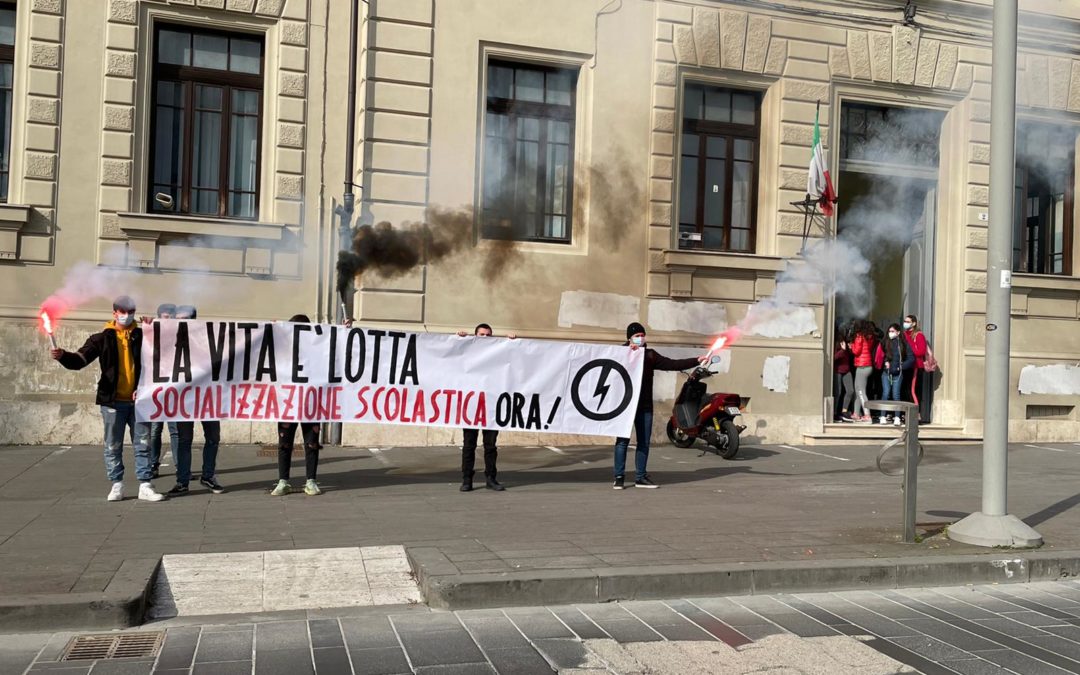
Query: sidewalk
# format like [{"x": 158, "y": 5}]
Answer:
[{"x": 558, "y": 517}]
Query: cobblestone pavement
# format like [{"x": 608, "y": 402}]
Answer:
[{"x": 1029, "y": 629}]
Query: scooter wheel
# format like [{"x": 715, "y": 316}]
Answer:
[
  {"x": 728, "y": 429},
  {"x": 677, "y": 437}
]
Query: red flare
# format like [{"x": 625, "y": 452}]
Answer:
[
  {"x": 46, "y": 323},
  {"x": 724, "y": 341},
  {"x": 51, "y": 311}
]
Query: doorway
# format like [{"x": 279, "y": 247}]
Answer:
[{"x": 887, "y": 209}]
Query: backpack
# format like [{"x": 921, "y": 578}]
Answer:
[{"x": 930, "y": 363}]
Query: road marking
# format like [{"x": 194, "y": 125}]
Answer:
[
  {"x": 811, "y": 452},
  {"x": 377, "y": 453},
  {"x": 1043, "y": 447},
  {"x": 556, "y": 450}
]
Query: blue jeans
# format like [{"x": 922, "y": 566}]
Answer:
[
  {"x": 155, "y": 440},
  {"x": 890, "y": 386},
  {"x": 643, "y": 429},
  {"x": 182, "y": 450},
  {"x": 120, "y": 417}
]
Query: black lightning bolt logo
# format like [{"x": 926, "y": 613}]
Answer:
[{"x": 602, "y": 386}]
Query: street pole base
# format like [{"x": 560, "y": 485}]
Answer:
[{"x": 980, "y": 529}]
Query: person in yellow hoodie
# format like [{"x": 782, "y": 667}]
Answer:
[{"x": 118, "y": 349}]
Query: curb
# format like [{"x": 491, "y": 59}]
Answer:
[
  {"x": 444, "y": 587},
  {"x": 121, "y": 605}
]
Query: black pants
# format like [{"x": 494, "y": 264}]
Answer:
[
  {"x": 913, "y": 391},
  {"x": 468, "y": 451},
  {"x": 286, "y": 436}
]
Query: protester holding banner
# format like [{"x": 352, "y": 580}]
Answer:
[
  {"x": 164, "y": 311},
  {"x": 287, "y": 437},
  {"x": 118, "y": 347},
  {"x": 469, "y": 437},
  {"x": 635, "y": 336},
  {"x": 186, "y": 438}
]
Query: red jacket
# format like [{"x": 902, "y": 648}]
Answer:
[
  {"x": 841, "y": 361},
  {"x": 863, "y": 350},
  {"x": 918, "y": 347}
]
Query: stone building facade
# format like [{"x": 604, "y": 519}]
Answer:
[{"x": 577, "y": 178}]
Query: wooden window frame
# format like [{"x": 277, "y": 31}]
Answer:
[
  {"x": 730, "y": 131},
  {"x": 512, "y": 108},
  {"x": 1026, "y": 264},
  {"x": 193, "y": 76}
]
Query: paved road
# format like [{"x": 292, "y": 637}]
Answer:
[
  {"x": 59, "y": 535},
  {"x": 1031, "y": 629}
]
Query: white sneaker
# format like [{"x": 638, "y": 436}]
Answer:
[
  {"x": 897, "y": 422},
  {"x": 147, "y": 493},
  {"x": 117, "y": 492}
]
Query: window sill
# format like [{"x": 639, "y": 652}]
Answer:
[
  {"x": 12, "y": 219},
  {"x": 1057, "y": 282},
  {"x": 683, "y": 260},
  {"x": 151, "y": 226}
]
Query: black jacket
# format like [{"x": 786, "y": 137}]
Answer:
[
  {"x": 898, "y": 355},
  {"x": 654, "y": 362},
  {"x": 103, "y": 346}
]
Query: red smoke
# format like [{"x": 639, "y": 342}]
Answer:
[{"x": 51, "y": 311}]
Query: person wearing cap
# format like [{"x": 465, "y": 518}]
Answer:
[
  {"x": 164, "y": 311},
  {"x": 643, "y": 417},
  {"x": 118, "y": 349},
  {"x": 186, "y": 438}
]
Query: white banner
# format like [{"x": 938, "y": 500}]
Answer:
[{"x": 294, "y": 372}]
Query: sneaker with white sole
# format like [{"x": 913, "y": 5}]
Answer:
[
  {"x": 147, "y": 493},
  {"x": 281, "y": 489},
  {"x": 645, "y": 482},
  {"x": 312, "y": 488},
  {"x": 897, "y": 422},
  {"x": 116, "y": 494},
  {"x": 620, "y": 483}
]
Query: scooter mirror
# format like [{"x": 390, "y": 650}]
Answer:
[{"x": 714, "y": 359}]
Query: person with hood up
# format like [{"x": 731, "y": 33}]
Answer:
[
  {"x": 643, "y": 417},
  {"x": 118, "y": 348}
]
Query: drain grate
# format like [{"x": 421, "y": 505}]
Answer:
[{"x": 128, "y": 645}]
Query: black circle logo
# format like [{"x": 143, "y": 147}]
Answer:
[{"x": 600, "y": 392}]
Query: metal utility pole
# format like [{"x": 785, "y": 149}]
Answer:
[
  {"x": 348, "y": 200},
  {"x": 994, "y": 526}
]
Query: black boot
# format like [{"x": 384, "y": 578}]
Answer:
[
  {"x": 493, "y": 484},
  {"x": 466, "y": 483}
]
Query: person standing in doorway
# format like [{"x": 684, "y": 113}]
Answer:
[
  {"x": 862, "y": 350},
  {"x": 309, "y": 431},
  {"x": 643, "y": 417},
  {"x": 469, "y": 438},
  {"x": 898, "y": 359},
  {"x": 164, "y": 311},
  {"x": 118, "y": 348},
  {"x": 844, "y": 383},
  {"x": 185, "y": 432},
  {"x": 913, "y": 377}
]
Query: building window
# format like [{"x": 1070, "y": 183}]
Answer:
[
  {"x": 869, "y": 133},
  {"x": 7, "y": 74},
  {"x": 528, "y": 165},
  {"x": 718, "y": 169},
  {"x": 1044, "y": 198},
  {"x": 207, "y": 102}
]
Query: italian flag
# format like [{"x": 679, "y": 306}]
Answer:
[{"x": 819, "y": 185}]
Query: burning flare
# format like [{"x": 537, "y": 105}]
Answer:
[
  {"x": 47, "y": 326},
  {"x": 723, "y": 341}
]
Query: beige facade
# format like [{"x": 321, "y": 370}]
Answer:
[{"x": 81, "y": 169}]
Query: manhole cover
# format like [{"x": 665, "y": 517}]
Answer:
[{"x": 127, "y": 645}]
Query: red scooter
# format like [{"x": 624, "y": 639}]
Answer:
[{"x": 710, "y": 417}]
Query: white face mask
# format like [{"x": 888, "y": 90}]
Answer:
[
  {"x": 124, "y": 319},
  {"x": 907, "y": 325},
  {"x": 638, "y": 341},
  {"x": 893, "y": 334}
]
